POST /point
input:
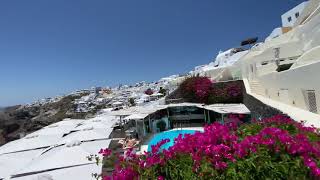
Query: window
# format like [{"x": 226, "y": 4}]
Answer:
[
  {"x": 297, "y": 14},
  {"x": 289, "y": 19},
  {"x": 312, "y": 101},
  {"x": 276, "y": 52}
]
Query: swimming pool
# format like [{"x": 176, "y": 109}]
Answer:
[{"x": 168, "y": 135}]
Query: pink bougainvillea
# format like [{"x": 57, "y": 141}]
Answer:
[
  {"x": 220, "y": 147},
  {"x": 202, "y": 87},
  {"x": 148, "y": 91},
  {"x": 204, "y": 90},
  {"x": 197, "y": 87},
  {"x": 105, "y": 152}
]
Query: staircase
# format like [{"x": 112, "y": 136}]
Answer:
[{"x": 256, "y": 87}]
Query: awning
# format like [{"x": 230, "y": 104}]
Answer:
[
  {"x": 55, "y": 158},
  {"x": 150, "y": 109},
  {"x": 228, "y": 108},
  {"x": 187, "y": 105},
  {"x": 30, "y": 142},
  {"x": 12, "y": 162},
  {"x": 93, "y": 125},
  {"x": 83, "y": 172},
  {"x": 124, "y": 112},
  {"x": 136, "y": 116},
  {"x": 86, "y": 135}
]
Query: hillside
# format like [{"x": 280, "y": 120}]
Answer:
[{"x": 19, "y": 119}]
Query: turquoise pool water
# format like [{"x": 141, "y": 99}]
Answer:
[{"x": 168, "y": 135}]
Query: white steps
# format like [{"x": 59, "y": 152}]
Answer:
[{"x": 256, "y": 88}]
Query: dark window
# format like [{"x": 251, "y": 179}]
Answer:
[
  {"x": 297, "y": 14},
  {"x": 289, "y": 19}
]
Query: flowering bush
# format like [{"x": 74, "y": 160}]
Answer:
[
  {"x": 148, "y": 91},
  {"x": 230, "y": 92},
  {"x": 274, "y": 148},
  {"x": 196, "y": 88},
  {"x": 203, "y": 90}
]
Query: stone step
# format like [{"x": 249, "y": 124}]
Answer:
[{"x": 256, "y": 88}]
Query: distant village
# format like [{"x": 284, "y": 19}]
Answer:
[{"x": 116, "y": 98}]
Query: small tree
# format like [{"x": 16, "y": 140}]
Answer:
[
  {"x": 131, "y": 101},
  {"x": 163, "y": 91}
]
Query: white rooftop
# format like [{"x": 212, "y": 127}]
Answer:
[
  {"x": 80, "y": 172},
  {"x": 29, "y": 143},
  {"x": 65, "y": 156},
  {"x": 87, "y": 135},
  {"x": 10, "y": 163},
  {"x": 58, "y": 158},
  {"x": 228, "y": 108},
  {"x": 136, "y": 116}
]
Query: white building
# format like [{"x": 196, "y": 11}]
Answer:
[
  {"x": 291, "y": 16},
  {"x": 289, "y": 20},
  {"x": 284, "y": 71}
]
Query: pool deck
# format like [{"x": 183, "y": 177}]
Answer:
[{"x": 144, "y": 145}]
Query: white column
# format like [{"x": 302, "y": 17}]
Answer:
[
  {"x": 209, "y": 120},
  {"x": 150, "y": 125},
  {"x": 222, "y": 118},
  {"x": 169, "y": 119},
  {"x": 144, "y": 128}
]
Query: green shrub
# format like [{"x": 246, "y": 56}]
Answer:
[
  {"x": 162, "y": 91},
  {"x": 131, "y": 101}
]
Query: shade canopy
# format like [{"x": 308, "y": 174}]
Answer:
[
  {"x": 12, "y": 162},
  {"x": 83, "y": 172},
  {"x": 58, "y": 158},
  {"x": 52, "y": 130},
  {"x": 66, "y": 122},
  {"x": 136, "y": 116},
  {"x": 28, "y": 143},
  {"x": 107, "y": 120},
  {"x": 94, "y": 125},
  {"x": 87, "y": 135},
  {"x": 228, "y": 108},
  {"x": 186, "y": 105}
]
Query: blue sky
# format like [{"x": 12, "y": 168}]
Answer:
[{"x": 52, "y": 47}]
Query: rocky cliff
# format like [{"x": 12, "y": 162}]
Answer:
[{"x": 20, "y": 120}]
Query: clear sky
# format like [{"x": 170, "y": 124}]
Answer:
[{"x": 52, "y": 47}]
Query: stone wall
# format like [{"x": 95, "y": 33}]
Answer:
[{"x": 258, "y": 109}]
